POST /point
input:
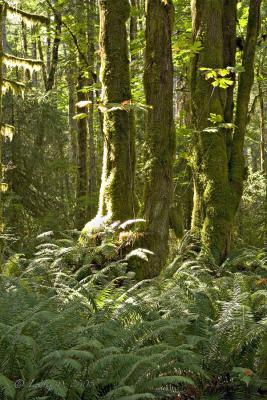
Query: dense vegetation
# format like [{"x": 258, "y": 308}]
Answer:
[{"x": 133, "y": 199}]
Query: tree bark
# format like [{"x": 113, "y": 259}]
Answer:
[
  {"x": 25, "y": 47},
  {"x": 1, "y": 116},
  {"x": 55, "y": 49},
  {"x": 218, "y": 162},
  {"x": 133, "y": 21},
  {"x": 34, "y": 56},
  {"x": 160, "y": 133},
  {"x": 263, "y": 128},
  {"x": 246, "y": 80},
  {"x": 117, "y": 199},
  {"x": 82, "y": 155},
  {"x": 72, "y": 100},
  {"x": 91, "y": 60}
]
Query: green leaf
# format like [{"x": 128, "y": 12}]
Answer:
[
  {"x": 7, "y": 386},
  {"x": 215, "y": 118},
  {"x": 80, "y": 116},
  {"x": 223, "y": 72},
  {"x": 139, "y": 253},
  {"x": 52, "y": 386}
]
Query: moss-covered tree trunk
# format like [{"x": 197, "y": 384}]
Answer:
[
  {"x": 72, "y": 100},
  {"x": 91, "y": 21},
  {"x": 82, "y": 181},
  {"x": 133, "y": 20},
  {"x": 263, "y": 130},
  {"x": 1, "y": 115},
  {"x": 245, "y": 83},
  {"x": 82, "y": 155},
  {"x": 160, "y": 133},
  {"x": 217, "y": 158},
  {"x": 117, "y": 199}
]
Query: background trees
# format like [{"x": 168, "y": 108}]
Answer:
[
  {"x": 74, "y": 110},
  {"x": 172, "y": 96}
]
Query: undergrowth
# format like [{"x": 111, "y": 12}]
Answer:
[{"x": 75, "y": 325}]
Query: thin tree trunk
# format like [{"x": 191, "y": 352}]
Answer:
[
  {"x": 82, "y": 155},
  {"x": 25, "y": 47},
  {"x": 229, "y": 55},
  {"x": 91, "y": 59},
  {"x": 160, "y": 134},
  {"x": 55, "y": 50},
  {"x": 1, "y": 117},
  {"x": 133, "y": 21},
  {"x": 71, "y": 114},
  {"x": 44, "y": 67},
  {"x": 246, "y": 79},
  {"x": 72, "y": 100},
  {"x": 34, "y": 55},
  {"x": 263, "y": 128}
]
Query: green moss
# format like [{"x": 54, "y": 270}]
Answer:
[
  {"x": 160, "y": 134},
  {"x": 218, "y": 182},
  {"x": 117, "y": 197},
  {"x": 212, "y": 214}
]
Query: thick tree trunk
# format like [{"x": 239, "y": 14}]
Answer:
[
  {"x": 117, "y": 198},
  {"x": 217, "y": 159},
  {"x": 160, "y": 134}
]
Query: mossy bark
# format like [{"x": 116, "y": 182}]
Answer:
[
  {"x": 160, "y": 133},
  {"x": 82, "y": 156},
  {"x": 55, "y": 52},
  {"x": 246, "y": 80},
  {"x": 217, "y": 157},
  {"x": 117, "y": 198},
  {"x": 263, "y": 157},
  {"x": 92, "y": 186},
  {"x": 1, "y": 113}
]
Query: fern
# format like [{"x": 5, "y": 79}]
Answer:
[{"x": 74, "y": 324}]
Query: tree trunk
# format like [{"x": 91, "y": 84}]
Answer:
[
  {"x": 54, "y": 60},
  {"x": 117, "y": 198},
  {"x": 72, "y": 100},
  {"x": 217, "y": 159},
  {"x": 34, "y": 55},
  {"x": 1, "y": 117},
  {"x": 25, "y": 47},
  {"x": 246, "y": 79},
  {"x": 133, "y": 21},
  {"x": 160, "y": 133},
  {"x": 91, "y": 60},
  {"x": 82, "y": 155},
  {"x": 263, "y": 128}
]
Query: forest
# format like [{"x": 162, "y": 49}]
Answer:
[{"x": 133, "y": 199}]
